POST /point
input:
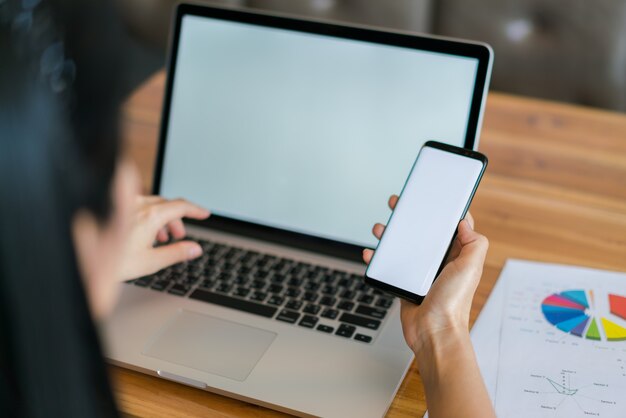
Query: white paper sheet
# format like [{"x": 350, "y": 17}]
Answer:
[{"x": 550, "y": 365}]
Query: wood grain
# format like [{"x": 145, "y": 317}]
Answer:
[{"x": 555, "y": 190}]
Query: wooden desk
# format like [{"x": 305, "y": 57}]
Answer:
[{"x": 555, "y": 190}]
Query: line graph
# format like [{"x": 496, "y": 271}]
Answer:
[{"x": 562, "y": 389}]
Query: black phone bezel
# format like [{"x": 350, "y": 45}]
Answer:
[
  {"x": 317, "y": 244},
  {"x": 410, "y": 296}
]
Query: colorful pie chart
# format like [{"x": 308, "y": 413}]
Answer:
[{"x": 573, "y": 312}]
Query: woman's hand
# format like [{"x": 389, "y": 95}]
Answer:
[
  {"x": 437, "y": 330},
  {"x": 446, "y": 308},
  {"x": 158, "y": 219}
]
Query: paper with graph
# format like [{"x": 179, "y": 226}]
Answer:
[{"x": 562, "y": 342}]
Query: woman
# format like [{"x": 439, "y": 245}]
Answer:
[
  {"x": 71, "y": 225},
  {"x": 61, "y": 175}
]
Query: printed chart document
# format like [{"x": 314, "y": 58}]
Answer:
[
  {"x": 562, "y": 343},
  {"x": 551, "y": 342}
]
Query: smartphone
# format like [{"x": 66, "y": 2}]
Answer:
[{"x": 423, "y": 225}]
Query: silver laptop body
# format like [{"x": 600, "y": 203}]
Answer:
[{"x": 263, "y": 124}]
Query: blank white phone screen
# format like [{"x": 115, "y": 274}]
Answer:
[{"x": 424, "y": 221}]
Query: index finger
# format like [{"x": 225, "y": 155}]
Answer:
[
  {"x": 470, "y": 219},
  {"x": 171, "y": 210},
  {"x": 393, "y": 201}
]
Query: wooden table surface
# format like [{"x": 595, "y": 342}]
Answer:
[{"x": 555, "y": 190}]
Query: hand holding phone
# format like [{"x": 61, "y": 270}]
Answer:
[{"x": 421, "y": 229}]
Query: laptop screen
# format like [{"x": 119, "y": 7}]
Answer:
[{"x": 304, "y": 132}]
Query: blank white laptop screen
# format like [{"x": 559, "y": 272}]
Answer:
[{"x": 304, "y": 132}]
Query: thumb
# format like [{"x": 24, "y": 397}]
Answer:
[
  {"x": 178, "y": 252},
  {"x": 473, "y": 247}
]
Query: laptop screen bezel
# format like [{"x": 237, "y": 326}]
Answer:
[{"x": 335, "y": 248}]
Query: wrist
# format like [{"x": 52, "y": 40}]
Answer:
[
  {"x": 452, "y": 381},
  {"x": 438, "y": 352},
  {"x": 429, "y": 339}
]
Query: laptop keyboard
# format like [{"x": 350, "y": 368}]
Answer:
[{"x": 306, "y": 295}]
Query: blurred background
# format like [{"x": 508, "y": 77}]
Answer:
[{"x": 566, "y": 50}]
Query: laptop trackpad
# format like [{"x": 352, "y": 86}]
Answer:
[{"x": 210, "y": 344}]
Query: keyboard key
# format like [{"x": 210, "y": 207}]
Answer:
[
  {"x": 294, "y": 281},
  {"x": 360, "y": 321},
  {"x": 294, "y": 304},
  {"x": 276, "y": 300},
  {"x": 206, "y": 245},
  {"x": 159, "y": 285},
  {"x": 313, "y": 274},
  {"x": 262, "y": 274},
  {"x": 329, "y": 290},
  {"x": 346, "y": 305},
  {"x": 275, "y": 288},
  {"x": 211, "y": 272},
  {"x": 345, "y": 330},
  {"x": 370, "y": 311},
  {"x": 308, "y": 321},
  {"x": 234, "y": 303},
  {"x": 328, "y": 279},
  {"x": 347, "y": 294},
  {"x": 230, "y": 254},
  {"x": 292, "y": 292},
  {"x": 167, "y": 274},
  {"x": 288, "y": 316},
  {"x": 258, "y": 296},
  {"x": 224, "y": 287},
  {"x": 327, "y": 301},
  {"x": 207, "y": 283},
  {"x": 362, "y": 287},
  {"x": 178, "y": 289},
  {"x": 309, "y": 296},
  {"x": 189, "y": 281},
  {"x": 365, "y": 298},
  {"x": 143, "y": 281},
  {"x": 242, "y": 292},
  {"x": 311, "y": 309},
  {"x": 325, "y": 328},
  {"x": 344, "y": 282},
  {"x": 312, "y": 286},
  {"x": 258, "y": 284},
  {"x": 330, "y": 313},
  {"x": 278, "y": 278},
  {"x": 384, "y": 302},
  {"x": 362, "y": 337},
  {"x": 260, "y": 262},
  {"x": 241, "y": 280}
]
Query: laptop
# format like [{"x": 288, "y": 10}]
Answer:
[{"x": 293, "y": 133}]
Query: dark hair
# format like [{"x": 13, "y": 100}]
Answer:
[{"x": 58, "y": 150}]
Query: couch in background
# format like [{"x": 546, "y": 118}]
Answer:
[{"x": 568, "y": 50}]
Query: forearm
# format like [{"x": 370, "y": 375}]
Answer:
[{"x": 452, "y": 380}]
